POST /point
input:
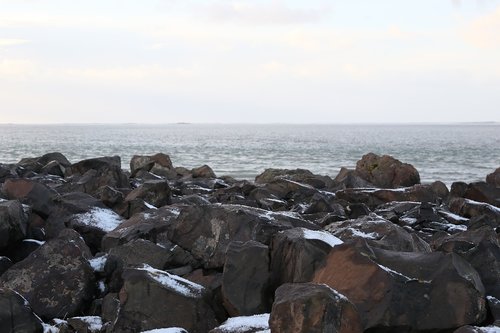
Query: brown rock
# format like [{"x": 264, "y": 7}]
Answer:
[
  {"x": 312, "y": 308},
  {"x": 483, "y": 192},
  {"x": 406, "y": 291},
  {"x": 387, "y": 172},
  {"x": 30, "y": 192},
  {"x": 147, "y": 163},
  {"x": 203, "y": 172},
  {"x": 494, "y": 178}
]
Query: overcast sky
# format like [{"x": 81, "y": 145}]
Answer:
[{"x": 314, "y": 61}]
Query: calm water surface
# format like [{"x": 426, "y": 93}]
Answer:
[{"x": 439, "y": 152}]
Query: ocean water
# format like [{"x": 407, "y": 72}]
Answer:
[{"x": 439, "y": 152}]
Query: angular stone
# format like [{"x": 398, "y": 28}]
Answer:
[
  {"x": 387, "y": 172},
  {"x": 245, "y": 281},
  {"x": 16, "y": 314},
  {"x": 13, "y": 223},
  {"x": 56, "y": 279},
  {"x": 152, "y": 299},
  {"x": 312, "y": 308}
]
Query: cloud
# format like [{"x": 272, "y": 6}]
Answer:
[
  {"x": 272, "y": 13},
  {"x": 484, "y": 32},
  {"x": 16, "y": 68},
  {"x": 12, "y": 41}
]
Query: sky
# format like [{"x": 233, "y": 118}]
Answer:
[{"x": 276, "y": 61}]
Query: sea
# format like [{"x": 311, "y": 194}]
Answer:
[{"x": 445, "y": 152}]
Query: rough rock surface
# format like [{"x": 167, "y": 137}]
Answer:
[{"x": 16, "y": 314}]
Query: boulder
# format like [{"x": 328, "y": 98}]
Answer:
[
  {"x": 311, "y": 308},
  {"x": 146, "y": 225},
  {"x": 160, "y": 162},
  {"x": 5, "y": 264},
  {"x": 473, "y": 209},
  {"x": 404, "y": 291},
  {"x": 141, "y": 251},
  {"x": 290, "y": 190},
  {"x": 379, "y": 233},
  {"x": 297, "y": 253},
  {"x": 387, "y": 172},
  {"x": 203, "y": 172},
  {"x": 91, "y": 175},
  {"x": 86, "y": 324},
  {"x": 245, "y": 281},
  {"x": 494, "y": 178},
  {"x": 40, "y": 197},
  {"x": 154, "y": 192},
  {"x": 206, "y": 231},
  {"x": 244, "y": 324},
  {"x": 298, "y": 175},
  {"x": 483, "y": 192},
  {"x": 351, "y": 179},
  {"x": 16, "y": 314},
  {"x": 56, "y": 279},
  {"x": 376, "y": 197},
  {"x": 7, "y": 171},
  {"x": 152, "y": 299},
  {"x": 481, "y": 249},
  {"x": 13, "y": 223}
]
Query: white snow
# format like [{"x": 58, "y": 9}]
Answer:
[
  {"x": 98, "y": 263},
  {"x": 242, "y": 324},
  {"x": 174, "y": 282},
  {"x": 409, "y": 220},
  {"x": 94, "y": 322},
  {"x": 454, "y": 216},
  {"x": 488, "y": 329},
  {"x": 150, "y": 206},
  {"x": 339, "y": 295},
  {"x": 496, "y": 209},
  {"x": 102, "y": 218},
  {"x": 101, "y": 286},
  {"x": 493, "y": 300},
  {"x": 455, "y": 227},
  {"x": 49, "y": 328},
  {"x": 322, "y": 236},
  {"x": 167, "y": 330},
  {"x": 358, "y": 233},
  {"x": 387, "y": 269},
  {"x": 29, "y": 240}
]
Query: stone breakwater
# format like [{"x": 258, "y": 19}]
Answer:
[{"x": 89, "y": 247}]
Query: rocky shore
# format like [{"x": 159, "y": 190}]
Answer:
[{"x": 89, "y": 247}]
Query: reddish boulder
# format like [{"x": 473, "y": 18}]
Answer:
[
  {"x": 483, "y": 192},
  {"x": 203, "y": 172},
  {"x": 158, "y": 164},
  {"x": 312, "y": 308},
  {"x": 40, "y": 197},
  {"x": 404, "y": 291},
  {"x": 473, "y": 209},
  {"x": 387, "y": 172},
  {"x": 494, "y": 178}
]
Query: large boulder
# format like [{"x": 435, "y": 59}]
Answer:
[
  {"x": 142, "y": 251},
  {"x": 473, "y": 209},
  {"x": 159, "y": 164},
  {"x": 245, "y": 281},
  {"x": 481, "y": 249},
  {"x": 494, "y": 178},
  {"x": 483, "y": 192},
  {"x": 312, "y": 308},
  {"x": 152, "y": 299},
  {"x": 297, "y": 253},
  {"x": 206, "y": 231},
  {"x": 376, "y": 197},
  {"x": 378, "y": 232},
  {"x": 16, "y": 314},
  {"x": 56, "y": 279},
  {"x": 387, "y": 172},
  {"x": 298, "y": 175},
  {"x": 39, "y": 196},
  {"x": 203, "y": 172},
  {"x": 13, "y": 223},
  {"x": 91, "y": 175},
  {"x": 404, "y": 291}
]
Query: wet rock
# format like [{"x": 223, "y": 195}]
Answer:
[
  {"x": 404, "y": 291},
  {"x": 152, "y": 299},
  {"x": 378, "y": 232},
  {"x": 472, "y": 209},
  {"x": 297, "y": 253},
  {"x": 16, "y": 314},
  {"x": 494, "y": 178},
  {"x": 160, "y": 162},
  {"x": 308, "y": 308},
  {"x": 245, "y": 281},
  {"x": 386, "y": 172},
  {"x": 56, "y": 279},
  {"x": 13, "y": 223},
  {"x": 206, "y": 231}
]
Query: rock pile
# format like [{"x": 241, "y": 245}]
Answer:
[{"x": 89, "y": 247}]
